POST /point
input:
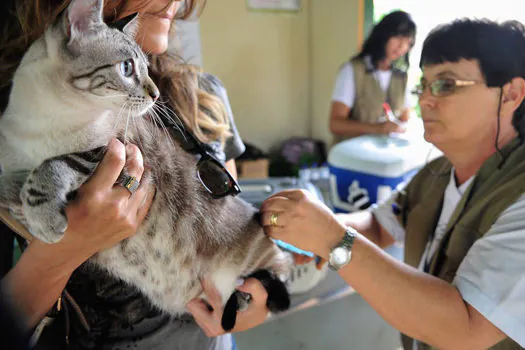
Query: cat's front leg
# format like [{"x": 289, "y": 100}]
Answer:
[
  {"x": 48, "y": 189},
  {"x": 10, "y": 186}
]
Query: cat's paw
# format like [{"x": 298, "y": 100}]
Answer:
[
  {"x": 45, "y": 227},
  {"x": 45, "y": 219},
  {"x": 278, "y": 294},
  {"x": 238, "y": 301}
]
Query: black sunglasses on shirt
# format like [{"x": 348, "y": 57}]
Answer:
[{"x": 211, "y": 172}]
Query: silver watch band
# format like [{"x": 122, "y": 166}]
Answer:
[{"x": 341, "y": 253}]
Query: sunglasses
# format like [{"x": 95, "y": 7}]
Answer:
[
  {"x": 212, "y": 174},
  {"x": 443, "y": 87}
]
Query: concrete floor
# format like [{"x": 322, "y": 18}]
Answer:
[{"x": 348, "y": 323}]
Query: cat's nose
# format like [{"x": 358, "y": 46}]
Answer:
[{"x": 153, "y": 92}]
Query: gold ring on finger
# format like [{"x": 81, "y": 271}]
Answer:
[
  {"x": 130, "y": 183},
  {"x": 273, "y": 219}
]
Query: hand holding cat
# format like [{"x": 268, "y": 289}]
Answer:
[
  {"x": 99, "y": 217},
  {"x": 297, "y": 218},
  {"x": 210, "y": 321},
  {"x": 103, "y": 213}
]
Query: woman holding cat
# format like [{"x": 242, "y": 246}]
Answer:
[{"x": 103, "y": 214}]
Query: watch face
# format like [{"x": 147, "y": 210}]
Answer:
[{"x": 339, "y": 256}]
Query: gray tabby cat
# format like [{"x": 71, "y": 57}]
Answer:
[{"x": 77, "y": 87}]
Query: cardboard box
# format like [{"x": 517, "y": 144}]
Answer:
[{"x": 253, "y": 169}]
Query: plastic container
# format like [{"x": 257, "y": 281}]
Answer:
[{"x": 366, "y": 169}]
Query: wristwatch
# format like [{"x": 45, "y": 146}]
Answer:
[{"x": 341, "y": 254}]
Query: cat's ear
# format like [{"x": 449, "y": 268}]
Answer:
[
  {"x": 83, "y": 16},
  {"x": 129, "y": 24}
]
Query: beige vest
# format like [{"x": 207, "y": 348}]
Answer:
[
  {"x": 369, "y": 97},
  {"x": 493, "y": 190}
]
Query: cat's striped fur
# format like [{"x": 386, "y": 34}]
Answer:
[{"x": 71, "y": 95}]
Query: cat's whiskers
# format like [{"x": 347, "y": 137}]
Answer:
[
  {"x": 170, "y": 115},
  {"x": 140, "y": 128},
  {"x": 137, "y": 133},
  {"x": 120, "y": 114},
  {"x": 125, "y": 136},
  {"x": 133, "y": 111},
  {"x": 153, "y": 125},
  {"x": 158, "y": 121}
]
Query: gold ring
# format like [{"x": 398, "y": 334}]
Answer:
[
  {"x": 130, "y": 183},
  {"x": 273, "y": 219}
]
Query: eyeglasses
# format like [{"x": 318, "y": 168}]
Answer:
[
  {"x": 212, "y": 174},
  {"x": 443, "y": 87}
]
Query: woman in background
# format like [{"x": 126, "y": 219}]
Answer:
[{"x": 376, "y": 75}]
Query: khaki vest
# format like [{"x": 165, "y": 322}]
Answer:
[
  {"x": 369, "y": 97},
  {"x": 495, "y": 187}
]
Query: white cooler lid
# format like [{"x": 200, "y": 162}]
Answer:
[{"x": 381, "y": 155}]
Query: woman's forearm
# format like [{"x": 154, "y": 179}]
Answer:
[
  {"x": 417, "y": 304},
  {"x": 365, "y": 222},
  {"x": 35, "y": 283}
]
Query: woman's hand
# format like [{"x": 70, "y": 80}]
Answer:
[
  {"x": 301, "y": 221},
  {"x": 210, "y": 321},
  {"x": 388, "y": 127},
  {"x": 103, "y": 213}
]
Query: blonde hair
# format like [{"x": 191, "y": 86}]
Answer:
[
  {"x": 27, "y": 20},
  {"x": 187, "y": 98}
]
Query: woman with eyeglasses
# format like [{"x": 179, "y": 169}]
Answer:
[
  {"x": 375, "y": 76},
  {"x": 118, "y": 315},
  {"x": 461, "y": 218}
]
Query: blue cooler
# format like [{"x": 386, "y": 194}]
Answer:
[{"x": 366, "y": 169}]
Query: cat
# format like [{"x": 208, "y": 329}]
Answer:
[{"x": 80, "y": 85}]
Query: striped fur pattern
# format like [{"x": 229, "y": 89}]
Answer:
[{"x": 72, "y": 93}]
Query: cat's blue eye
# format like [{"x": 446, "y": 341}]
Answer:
[{"x": 127, "y": 68}]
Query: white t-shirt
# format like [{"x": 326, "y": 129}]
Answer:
[
  {"x": 491, "y": 278},
  {"x": 452, "y": 196},
  {"x": 344, "y": 90}
]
